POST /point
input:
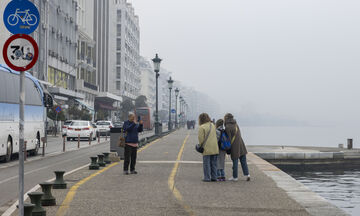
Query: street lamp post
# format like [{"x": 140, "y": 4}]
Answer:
[
  {"x": 156, "y": 62},
  {"x": 176, "y": 109},
  {"x": 181, "y": 114},
  {"x": 170, "y": 82}
]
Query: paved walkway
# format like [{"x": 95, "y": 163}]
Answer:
[{"x": 169, "y": 183}]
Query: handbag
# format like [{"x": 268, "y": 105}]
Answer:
[
  {"x": 232, "y": 141},
  {"x": 121, "y": 141},
  {"x": 200, "y": 148}
]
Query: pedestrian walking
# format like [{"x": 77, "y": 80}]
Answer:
[
  {"x": 222, "y": 153},
  {"x": 132, "y": 130},
  {"x": 238, "y": 148},
  {"x": 207, "y": 139}
]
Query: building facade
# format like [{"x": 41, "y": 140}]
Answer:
[
  {"x": 148, "y": 82},
  {"x": 128, "y": 75},
  {"x": 86, "y": 71}
]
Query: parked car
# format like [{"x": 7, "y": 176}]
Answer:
[
  {"x": 65, "y": 126},
  {"x": 95, "y": 129},
  {"x": 118, "y": 124},
  {"x": 82, "y": 128},
  {"x": 104, "y": 127}
]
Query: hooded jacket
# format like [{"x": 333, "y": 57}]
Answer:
[{"x": 238, "y": 146}]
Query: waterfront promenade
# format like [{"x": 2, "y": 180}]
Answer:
[{"x": 169, "y": 183}]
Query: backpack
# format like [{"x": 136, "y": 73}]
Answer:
[{"x": 225, "y": 143}]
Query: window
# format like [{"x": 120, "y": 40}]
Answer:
[
  {"x": 118, "y": 72},
  {"x": 117, "y": 85},
  {"x": 118, "y": 15},
  {"x": 118, "y": 44},
  {"x": 118, "y": 29},
  {"x": 32, "y": 96},
  {"x": 118, "y": 58}
]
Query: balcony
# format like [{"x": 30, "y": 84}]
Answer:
[
  {"x": 90, "y": 86},
  {"x": 81, "y": 84}
]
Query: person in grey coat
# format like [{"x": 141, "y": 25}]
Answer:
[{"x": 238, "y": 148}]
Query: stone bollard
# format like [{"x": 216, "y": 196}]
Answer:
[
  {"x": 78, "y": 140},
  {"x": 28, "y": 208},
  {"x": 35, "y": 198},
  {"x": 94, "y": 165},
  {"x": 350, "y": 143},
  {"x": 59, "y": 182},
  {"x": 107, "y": 158},
  {"x": 101, "y": 160},
  {"x": 47, "y": 199}
]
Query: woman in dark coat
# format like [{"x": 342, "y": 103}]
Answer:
[{"x": 238, "y": 149}]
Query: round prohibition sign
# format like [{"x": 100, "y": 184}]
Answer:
[{"x": 20, "y": 52}]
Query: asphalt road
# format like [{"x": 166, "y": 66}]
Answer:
[{"x": 39, "y": 169}]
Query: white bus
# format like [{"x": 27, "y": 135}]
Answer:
[{"x": 35, "y": 113}]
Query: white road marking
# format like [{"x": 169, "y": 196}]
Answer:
[{"x": 12, "y": 208}]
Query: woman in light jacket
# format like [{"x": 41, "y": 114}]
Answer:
[{"x": 211, "y": 149}]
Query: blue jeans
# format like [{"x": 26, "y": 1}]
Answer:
[
  {"x": 209, "y": 165},
  {"x": 220, "y": 173},
  {"x": 244, "y": 166}
]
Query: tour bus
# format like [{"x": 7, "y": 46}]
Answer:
[
  {"x": 145, "y": 116},
  {"x": 36, "y": 101}
]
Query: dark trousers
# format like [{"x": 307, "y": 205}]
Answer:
[{"x": 130, "y": 157}]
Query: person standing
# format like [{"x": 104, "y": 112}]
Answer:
[
  {"x": 207, "y": 139},
  {"x": 238, "y": 149},
  {"x": 131, "y": 129},
  {"x": 222, "y": 153}
]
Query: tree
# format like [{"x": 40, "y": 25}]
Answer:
[
  {"x": 141, "y": 101},
  {"x": 52, "y": 115},
  {"x": 126, "y": 107},
  {"x": 79, "y": 114}
]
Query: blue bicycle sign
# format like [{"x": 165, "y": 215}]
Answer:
[
  {"x": 21, "y": 17},
  {"x": 24, "y": 16}
]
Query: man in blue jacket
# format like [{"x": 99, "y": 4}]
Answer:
[{"x": 132, "y": 130}]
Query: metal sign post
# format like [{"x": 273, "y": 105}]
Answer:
[{"x": 20, "y": 52}]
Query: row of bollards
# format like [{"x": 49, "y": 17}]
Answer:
[
  {"x": 78, "y": 141},
  {"x": 99, "y": 161},
  {"x": 45, "y": 198}
]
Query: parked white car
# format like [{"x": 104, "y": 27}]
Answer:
[
  {"x": 65, "y": 126},
  {"x": 104, "y": 127},
  {"x": 82, "y": 128}
]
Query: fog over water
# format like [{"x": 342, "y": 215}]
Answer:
[{"x": 273, "y": 63}]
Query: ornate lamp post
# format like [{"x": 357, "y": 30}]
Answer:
[
  {"x": 176, "y": 110},
  {"x": 181, "y": 110},
  {"x": 170, "y": 82},
  {"x": 157, "y": 62}
]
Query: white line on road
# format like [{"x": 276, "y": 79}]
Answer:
[{"x": 12, "y": 208}]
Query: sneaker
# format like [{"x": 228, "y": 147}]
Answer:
[
  {"x": 214, "y": 180},
  {"x": 126, "y": 172},
  {"x": 223, "y": 178},
  {"x": 233, "y": 179},
  {"x": 134, "y": 172}
]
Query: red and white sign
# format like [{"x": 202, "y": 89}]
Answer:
[{"x": 20, "y": 52}]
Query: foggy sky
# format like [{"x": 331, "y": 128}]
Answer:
[{"x": 294, "y": 59}]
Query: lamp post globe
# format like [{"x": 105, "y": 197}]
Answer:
[
  {"x": 157, "y": 62},
  {"x": 176, "y": 109}
]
